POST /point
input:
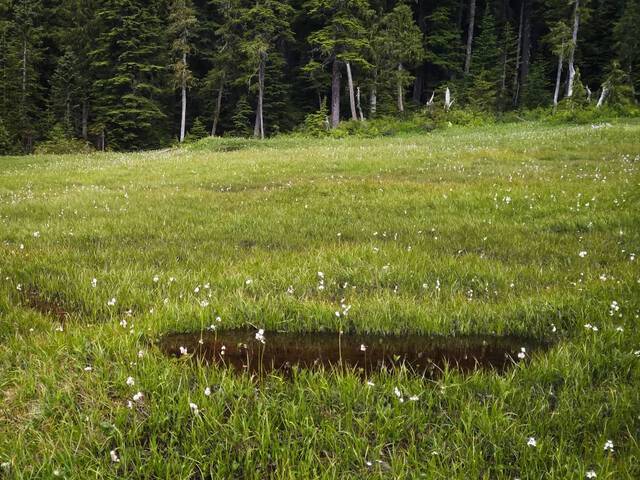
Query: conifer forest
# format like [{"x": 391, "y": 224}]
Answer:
[{"x": 134, "y": 74}]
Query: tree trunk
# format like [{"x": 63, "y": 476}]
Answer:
[
  {"x": 24, "y": 70},
  {"x": 359, "y": 104},
  {"x": 572, "y": 51},
  {"x": 526, "y": 44},
  {"x": 335, "y": 93},
  {"x": 85, "y": 118},
  {"x": 472, "y": 19},
  {"x": 258, "y": 131},
  {"x": 603, "y": 96},
  {"x": 516, "y": 77},
  {"x": 216, "y": 114},
  {"x": 418, "y": 83},
  {"x": 400, "y": 90},
  {"x": 352, "y": 98},
  {"x": 373, "y": 101},
  {"x": 183, "y": 118},
  {"x": 558, "y": 79}
]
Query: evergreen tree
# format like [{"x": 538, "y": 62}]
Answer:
[
  {"x": 6, "y": 143},
  {"x": 443, "y": 43},
  {"x": 559, "y": 39},
  {"x": 27, "y": 47},
  {"x": 64, "y": 98},
  {"x": 223, "y": 56},
  {"x": 627, "y": 42},
  {"x": 197, "y": 131},
  {"x": 130, "y": 63},
  {"x": 265, "y": 22},
  {"x": 617, "y": 89},
  {"x": 402, "y": 46},
  {"x": 241, "y": 118},
  {"x": 536, "y": 91},
  {"x": 341, "y": 40},
  {"x": 182, "y": 24},
  {"x": 485, "y": 66}
]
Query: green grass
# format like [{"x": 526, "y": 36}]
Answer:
[{"x": 497, "y": 215}]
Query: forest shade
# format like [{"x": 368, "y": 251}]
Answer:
[{"x": 132, "y": 74}]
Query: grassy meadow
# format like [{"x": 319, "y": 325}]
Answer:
[{"x": 529, "y": 229}]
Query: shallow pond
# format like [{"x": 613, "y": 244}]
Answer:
[{"x": 422, "y": 355}]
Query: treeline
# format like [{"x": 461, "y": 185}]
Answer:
[{"x": 135, "y": 74}]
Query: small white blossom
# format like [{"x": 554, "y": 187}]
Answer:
[
  {"x": 88, "y": 368},
  {"x": 260, "y": 335},
  {"x": 114, "y": 456},
  {"x": 583, "y": 254},
  {"x": 207, "y": 392},
  {"x": 156, "y": 279},
  {"x": 36, "y": 234},
  {"x": 140, "y": 353},
  {"x": 532, "y": 442},
  {"x": 183, "y": 350},
  {"x": 138, "y": 397},
  {"x": 130, "y": 381},
  {"x": 522, "y": 353},
  {"x": 194, "y": 408},
  {"x": 398, "y": 393},
  {"x": 413, "y": 398},
  {"x": 94, "y": 282},
  {"x": 363, "y": 348},
  {"x": 608, "y": 446},
  {"x": 591, "y": 474},
  {"x": 111, "y": 302}
]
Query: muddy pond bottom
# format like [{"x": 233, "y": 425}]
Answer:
[{"x": 280, "y": 352}]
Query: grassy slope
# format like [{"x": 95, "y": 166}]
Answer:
[{"x": 497, "y": 216}]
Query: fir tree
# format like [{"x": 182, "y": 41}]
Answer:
[
  {"x": 627, "y": 42},
  {"x": 485, "y": 66},
  {"x": 130, "y": 62},
  {"x": 443, "y": 43},
  {"x": 27, "y": 47},
  {"x": 401, "y": 43},
  {"x": 64, "y": 98},
  {"x": 241, "y": 118},
  {"x": 182, "y": 24},
  {"x": 341, "y": 40},
  {"x": 266, "y": 22}
]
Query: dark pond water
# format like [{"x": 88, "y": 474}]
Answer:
[{"x": 422, "y": 355}]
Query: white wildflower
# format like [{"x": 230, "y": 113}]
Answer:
[
  {"x": 130, "y": 381},
  {"x": 532, "y": 442},
  {"x": 608, "y": 446},
  {"x": 114, "y": 456}
]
